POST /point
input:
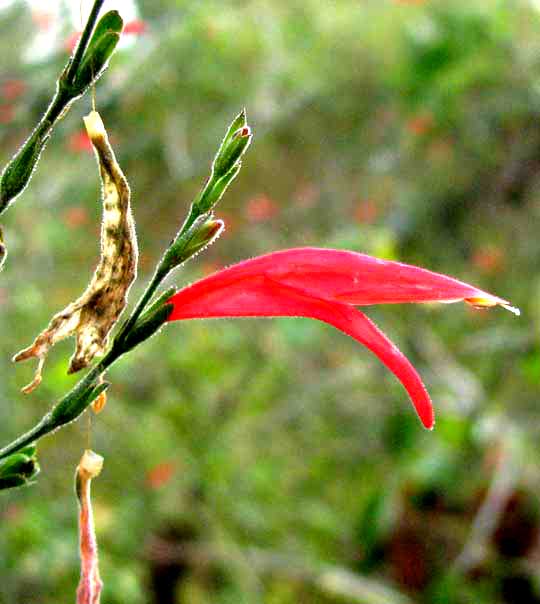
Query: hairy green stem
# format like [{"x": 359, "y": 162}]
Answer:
[
  {"x": 159, "y": 275},
  {"x": 48, "y": 424},
  {"x": 140, "y": 306}
]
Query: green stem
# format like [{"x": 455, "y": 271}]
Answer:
[
  {"x": 158, "y": 277},
  {"x": 40, "y": 429},
  {"x": 161, "y": 272},
  {"x": 59, "y": 103},
  {"x": 83, "y": 42},
  {"x": 47, "y": 424}
]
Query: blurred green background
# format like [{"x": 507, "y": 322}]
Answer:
[{"x": 278, "y": 461}]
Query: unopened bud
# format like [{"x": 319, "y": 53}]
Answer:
[
  {"x": 205, "y": 236},
  {"x": 231, "y": 152},
  {"x": 200, "y": 235}
]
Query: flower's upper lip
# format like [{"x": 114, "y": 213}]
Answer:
[{"x": 354, "y": 278}]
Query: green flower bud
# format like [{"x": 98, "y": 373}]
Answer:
[
  {"x": 201, "y": 234},
  {"x": 238, "y": 123},
  {"x": 233, "y": 147}
]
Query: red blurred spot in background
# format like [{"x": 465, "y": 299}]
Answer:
[
  {"x": 160, "y": 474},
  {"x": 261, "y": 208},
  {"x": 135, "y": 27},
  {"x": 6, "y": 114},
  {"x": 72, "y": 40},
  {"x": 489, "y": 259},
  {"x": 42, "y": 19},
  {"x": 75, "y": 217},
  {"x": 78, "y": 142},
  {"x": 366, "y": 212},
  {"x": 13, "y": 89},
  {"x": 420, "y": 124}
]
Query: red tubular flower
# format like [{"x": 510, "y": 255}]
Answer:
[{"x": 326, "y": 284}]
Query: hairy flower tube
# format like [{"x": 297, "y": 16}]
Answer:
[{"x": 326, "y": 285}]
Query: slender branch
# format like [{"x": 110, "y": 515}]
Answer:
[{"x": 83, "y": 41}]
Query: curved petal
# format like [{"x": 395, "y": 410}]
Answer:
[{"x": 261, "y": 296}]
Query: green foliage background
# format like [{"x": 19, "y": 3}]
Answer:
[{"x": 244, "y": 459}]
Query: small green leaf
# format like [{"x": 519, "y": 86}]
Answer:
[
  {"x": 12, "y": 482},
  {"x": 29, "y": 450},
  {"x": 17, "y": 173},
  {"x": 19, "y": 469}
]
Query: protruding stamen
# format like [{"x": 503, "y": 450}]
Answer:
[
  {"x": 513, "y": 309},
  {"x": 490, "y": 302}
]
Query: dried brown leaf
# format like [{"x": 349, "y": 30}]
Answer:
[{"x": 92, "y": 316}]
